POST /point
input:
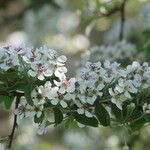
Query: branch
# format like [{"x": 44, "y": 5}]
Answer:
[
  {"x": 122, "y": 16},
  {"x": 13, "y": 93},
  {"x": 14, "y": 124}
]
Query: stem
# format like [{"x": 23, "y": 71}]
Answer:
[
  {"x": 14, "y": 124},
  {"x": 138, "y": 118},
  {"x": 122, "y": 15}
]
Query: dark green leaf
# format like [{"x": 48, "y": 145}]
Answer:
[
  {"x": 27, "y": 91},
  {"x": 3, "y": 98},
  {"x": 58, "y": 115},
  {"x": 102, "y": 115},
  {"x": 136, "y": 125},
  {"x": 116, "y": 111},
  {"x": 147, "y": 117},
  {"x": 38, "y": 119},
  {"x": 85, "y": 120},
  {"x": 69, "y": 122}
]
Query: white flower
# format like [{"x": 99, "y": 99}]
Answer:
[
  {"x": 40, "y": 70},
  {"x": 9, "y": 61},
  {"x": 117, "y": 99},
  {"x": 24, "y": 110},
  {"x": 38, "y": 95},
  {"x": 45, "y": 62},
  {"x": 57, "y": 98},
  {"x": 126, "y": 87},
  {"x": 93, "y": 66},
  {"x": 66, "y": 86},
  {"x": 146, "y": 108}
]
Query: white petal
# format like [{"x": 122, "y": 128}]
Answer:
[
  {"x": 100, "y": 86},
  {"x": 119, "y": 105},
  {"x": 39, "y": 113},
  {"x": 62, "y": 69},
  {"x": 52, "y": 93},
  {"x": 54, "y": 101},
  {"x": 41, "y": 77},
  {"x": 63, "y": 104},
  {"x": 80, "y": 111},
  {"x": 62, "y": 58},
  {"x": 69, "y": 96},
  {"x": 127, "y": 95},
  {"x": 48, "y": 73},
  {"x": 32, "y": 73},
  {"x": 111, "y": 92},
  {"x": 62, "y": 90},
  {"x": 88, "y": 114},
  {"x": 80, "y": 125}
]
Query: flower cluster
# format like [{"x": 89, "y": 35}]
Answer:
[
  {"x": 94, "y": 80},
  {"x": 120, "y": 51},
  {"x": 103, "y": 83},
  {"x": 132, "y": 80},
  {"x": 40, "y": 62},
  {"x": 55, "y": 95}
]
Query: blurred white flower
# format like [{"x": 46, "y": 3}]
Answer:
[{"x": 146, "y": 108}]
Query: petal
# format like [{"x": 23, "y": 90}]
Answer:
[
  {"x": 32, "y": 73},
  {"x": 39, "y": 113},
  {"x": 54, "y": 101},
  {"x": 48, "y": 73},
  {"x": 127, "y": 95},
  {"x": 52, "y": 93},
  {"x": 80, "y": 111},
  {"x": 62, "y": 58},
  {"x": 41, "y": 77},
  {"x": 100, "y": 86},
  {"x": 88, "y": 114},
  {"x": 63, "y": 104},
  {"x": 62, "y": 90}
]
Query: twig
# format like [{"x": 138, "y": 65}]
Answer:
[
  {"x": 14, "y": 124},
  {"x": 122, "y": 16}
]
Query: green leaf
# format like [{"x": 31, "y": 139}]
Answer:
[
  {"x": 147, "y": 117},
  {"x": 58, "y": 115},
  {"x": 3, "y": 98},
  {"x": 38, "y": 119},
  {"x": 136, "y": 125},
  {"x": 8, "y": 102},
  {"x": 116, "y": 111},
  {"x": 102, "y": 115},
  {"x": 69, "y": 122},
  {"x": 85, "y": 120},
  {"x": 130, "y": 108},
  {"x": 27, "y": 91}
]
